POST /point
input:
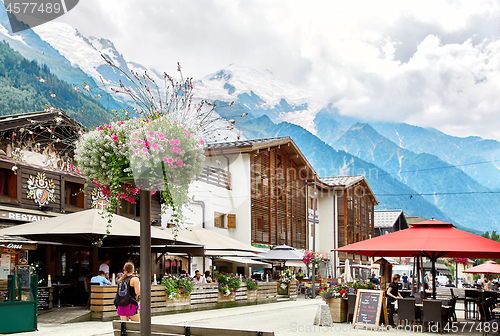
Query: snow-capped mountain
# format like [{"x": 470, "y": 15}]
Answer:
[{"x": 263, "y": 93}]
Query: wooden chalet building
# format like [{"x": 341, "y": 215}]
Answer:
[
  {"x": 263, "y": 192},
  {"x": 352, "y": 212},
  {"x": 37, "y": 182}
]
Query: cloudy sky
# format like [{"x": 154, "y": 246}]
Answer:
[{"x": 428, "y": 63}]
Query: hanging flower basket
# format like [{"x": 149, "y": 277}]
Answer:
[{"x": 126, "y": 156}]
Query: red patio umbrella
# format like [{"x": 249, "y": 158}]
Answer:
[
  {"x": 432, "y": 239},
  {"x": 489, "y": 267}
]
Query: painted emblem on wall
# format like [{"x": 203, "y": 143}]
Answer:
[
  {"x": 99, "y": 199},
  {"x": 41, "y": 189}
]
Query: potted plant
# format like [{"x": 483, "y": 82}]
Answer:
[
  {"x": 252, "y": 288},
  {"x": 334, "y": 298},
  {"x": 178, "y": 288},
  {"x": 284, "y": 282},
  {"x": 228, "y": 285}
]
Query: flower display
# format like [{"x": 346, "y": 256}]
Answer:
[
  {"x": 251, "y": 283},
  {"x": 310, "y": 257},
  {"x": 341, "y": 291},
  {"x": 285, "y": 278},
  {"x": 228, "y": 283},
  {"x": 160, "y": 154},
  {"x": 176, "y": 284}
]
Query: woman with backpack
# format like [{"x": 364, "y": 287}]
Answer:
[{"x": 129, "y": 290}]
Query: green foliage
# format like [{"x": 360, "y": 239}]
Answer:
[
  {"x": 26, "y": 86},
  {"x": 177, "y": 284},
  {"x": 251, "y": 283},
  {"x": 230, "y": 280}
]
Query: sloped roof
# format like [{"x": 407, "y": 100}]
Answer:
[
  {"x": 246, "y": 143},
  {"x": 342, "y": 181},
  {"x": 347, "y": 182},
  {"x": 386, "y": 218}
]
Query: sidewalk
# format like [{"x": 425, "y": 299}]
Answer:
[{"x": 284, "y": 318}]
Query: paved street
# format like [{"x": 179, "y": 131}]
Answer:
[{"x": 284, "y": 318}]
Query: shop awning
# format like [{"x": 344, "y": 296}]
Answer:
[
  {"x": 88, "y": 227},
  {"x": 246, "y": 261}
]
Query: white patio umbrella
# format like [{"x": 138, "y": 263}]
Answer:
[{"x": 347, "y": 270}]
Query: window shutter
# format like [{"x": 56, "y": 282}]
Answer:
[
  {"x": 231, "y": 221},
  {"x": 217, "y": 219}
]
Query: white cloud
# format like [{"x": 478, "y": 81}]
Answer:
[{"x": 429, "y": 63}]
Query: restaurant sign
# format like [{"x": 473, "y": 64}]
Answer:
[{"x": 22, "y": 217}]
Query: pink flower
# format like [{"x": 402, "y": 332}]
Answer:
[
  {"x": 145, "y": 150},
  {"x": 77, "y": 170},
  {"x": 151, "y": 133},
  {"x": 170, "y": 166},
  {"x": 176, "y": 150},
  {"x": 172, "y": 142},
  {"x": 177, "y": 142},
  {"x": 114, "y": 137},
  {"x": 107, "y": 126},
  {"x": 137, "y": 151},
  {"x": 168, "y": 160},
  {"x": 121, "y": 122},
  {"x": 155, "y": 146},
  {"x": 161, "y": 136},
  {"x": 153, "y": 192},
  {"x": 71, "y": 166},
  {"x": 202, "y": 141},
  {"x": 139, "y": 142},
  {"x": 136, "y": 134},
  {"x": 187, "y": 132},
  {"x": 179, "y": 163},
  {"x": 99, "y": 128},
  {"x": 150, "y": 139}
]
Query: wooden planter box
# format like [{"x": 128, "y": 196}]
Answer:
[
  {"x": 252, "y": 295},
  {"x": 182, "y": 300},
  {"x": 338, "y": 309},
  {"x": 282, "y": 291},
  {"x": 230, "y": 298}
]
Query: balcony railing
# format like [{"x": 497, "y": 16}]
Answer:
[{"x": 215, "y": 176}]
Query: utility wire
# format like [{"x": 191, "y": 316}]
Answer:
[{"x": 436, "y": 168}]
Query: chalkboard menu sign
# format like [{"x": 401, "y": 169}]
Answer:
[
  {"x": 23, "y": 272},
  {"x": 370, "y": 304},
  {"x": 44, "y": 298}
]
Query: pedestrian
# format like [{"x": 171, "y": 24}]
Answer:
[
  {"x": 101, "y": 279},
  {"x": 392, "y": 296},
  {"x": 208, "y": 278},
  {"x": 405, "y": 281},
  {"x": 198, "y": 278},
  {"x": 130, "y": 311},
  {"x": 449, "y": 284}
]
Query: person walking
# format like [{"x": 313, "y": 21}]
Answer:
[
  {"x": 130, "y": 311},
  {"x": 392, "y": 296},
  {"x": 405, "y": 281}
]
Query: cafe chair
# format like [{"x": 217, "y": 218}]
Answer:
[
  {"x": 470, "y": 303},
  {"x": 407, "y": 310},
  {"x": 485, "y": 312},
  {"x": 351, "y": 305},
  {"x": 434, "y": 312}
]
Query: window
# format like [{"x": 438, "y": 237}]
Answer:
[
  {"x": 74, "y": 194},
  {"x": 282, "y": 226},
  {"x": 258, "y": 185},
  {"x": 130, "y": 209},
  {"x": 278, "y": 161},
  {"x": 279, "y": 193},
  {"x": 299, "y": 225},
  {"x": 260, "y": 223},
  {"x": 231, "y": 221},
  {"x": 219, "y": 220},
  {"x": 8, "y": 183}
]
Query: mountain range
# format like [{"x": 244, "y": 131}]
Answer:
[{"x": 422, "y": 171}]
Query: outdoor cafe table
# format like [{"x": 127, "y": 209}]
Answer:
[{"x": 60, "y": 289}]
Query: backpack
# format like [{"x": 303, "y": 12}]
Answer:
[{"x": 123, "y": 296}]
